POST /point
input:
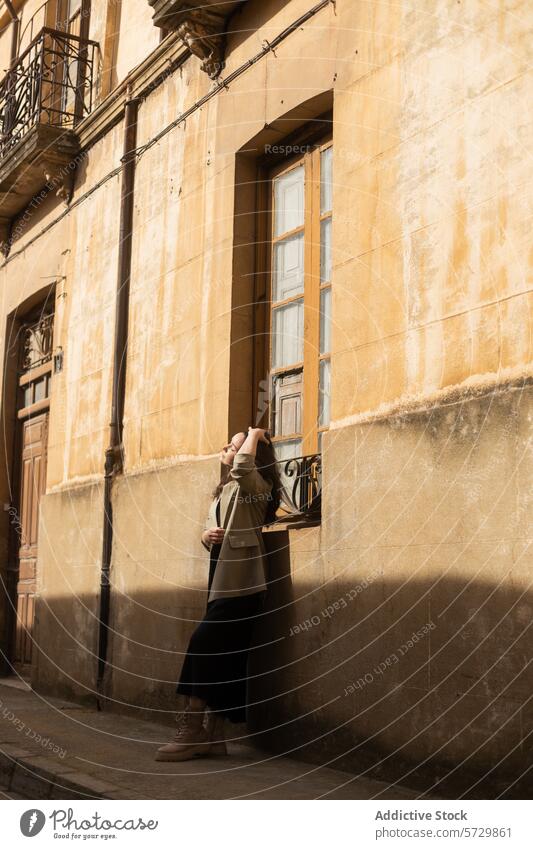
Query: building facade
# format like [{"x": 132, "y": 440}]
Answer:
[{"x": 310, "y": 217}]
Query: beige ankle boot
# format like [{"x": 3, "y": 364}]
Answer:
[
  {"x": 190, "y": 740},
  {"x": 215, "y": 731}
]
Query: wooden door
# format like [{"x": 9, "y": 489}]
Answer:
[
  {"x": 32, "y": 486},
  {"x": 33, "y": 404}
]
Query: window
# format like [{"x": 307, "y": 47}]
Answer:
[
  {"x": 72, "y": 17},
  {"x": 35, "y": 363},
  {"x": 300, "y": 302}
]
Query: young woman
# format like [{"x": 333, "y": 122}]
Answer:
[{"x": 214, "y": 671}]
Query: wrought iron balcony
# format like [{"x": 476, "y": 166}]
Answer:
[
  {"x": 43, "y": 97},
  {"x": 51, "y": 83},
  {"x": 302, "y": 490}
]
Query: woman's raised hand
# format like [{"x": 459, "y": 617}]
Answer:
[{"x": 263, "y": 435}]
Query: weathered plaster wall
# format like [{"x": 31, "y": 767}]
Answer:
[
  {"x": 136, "y": 36},
  {"x": 431, "y": 261},
  {"x": 70, "y": 548},
  {"x": 425, "y": 532},
  {"x": 28, "y": 10}
]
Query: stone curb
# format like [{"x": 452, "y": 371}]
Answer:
[{"x": 37, "y": 777}]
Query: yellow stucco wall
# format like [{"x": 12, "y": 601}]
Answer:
[{"x": 430, "y": 262}]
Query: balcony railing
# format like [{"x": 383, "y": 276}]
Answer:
[
  {"x": 51, "y": 83},
  {"x": 302, "y": 489}
]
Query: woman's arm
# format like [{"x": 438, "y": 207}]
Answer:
[
  {"x": 244, "y": 470},
  {"x": 255, "y": 435}
]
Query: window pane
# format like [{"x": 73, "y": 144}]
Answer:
[
  {"x": 319, "y": 442},
  {"x": 326, "y": 185},
  {"x": 289, "y": 201},
  {"x": 325, "y": 250},
  {"x": 287, "y": 406},
  {"x": 28, "y": 395},
  {"x": 325, "y": 320},
  {"x": 288, "y": 448},
  {"x": 40, "y": 389},
  {"x": 287, "y": 334},
  {"x": 288, "y": 267},
  {"x": 323, "y": 393}
]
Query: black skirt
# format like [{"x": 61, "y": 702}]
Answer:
[{"x": 215, "y": 668}]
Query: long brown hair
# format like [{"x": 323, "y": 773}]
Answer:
[{"x": 265, "y": 463}]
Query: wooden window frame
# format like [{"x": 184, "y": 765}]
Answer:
[
  {"x": 63, "y": 16},
  {"x": 317, "y": 137}
]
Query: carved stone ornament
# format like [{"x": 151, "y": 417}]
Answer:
[
  {"x": 200, "y": 26},
  {"x": 62, "y": 180},
  {"x": 205, "y": 43}
]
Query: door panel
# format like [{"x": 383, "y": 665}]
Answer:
[{"x": 33, "y": 482}]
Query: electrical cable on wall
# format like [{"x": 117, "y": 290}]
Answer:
[{"x": 138, "y": 152}]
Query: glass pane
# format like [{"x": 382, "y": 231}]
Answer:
[
  {"x": 325, "y": 320},
  {"x": 288, "y": 448},
  {"x": 28, "y": 395},
  {"x": 40, "y": 389},
  {"x": 326, "y": 185},
  {"x": 288, "y": 267},
  {"x": 323, "y": 393},
  {"x": 319, "y": 442},
  {"x": 325, "y": 250},
  {"x": 287, "y": 335},
  {"x": 289, "y": 201}
]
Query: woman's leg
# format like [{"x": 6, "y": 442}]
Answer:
[
  {"x": 197, "y": 705},
  {"x": 234, "y": 620},
  {"x": 191, "y": 739},
  {"x": 214, "y": 674},
  {"x": 217, "y": 733},
  {"x": 198, "y": 672}
]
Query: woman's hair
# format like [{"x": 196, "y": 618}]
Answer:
[{"x": 265, "y": 463}]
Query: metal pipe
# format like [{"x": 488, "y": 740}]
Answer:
[{"x": 114, "y": 453}]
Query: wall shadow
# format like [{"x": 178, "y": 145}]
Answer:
[{"x": 425, "y": 683}]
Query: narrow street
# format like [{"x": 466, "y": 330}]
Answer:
[{"x": 83, "y": 753}]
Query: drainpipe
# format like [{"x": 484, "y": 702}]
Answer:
[
  {"x": 14, "y": 32},
  {"x": 114, "y": 453}
]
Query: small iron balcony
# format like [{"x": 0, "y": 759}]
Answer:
[
  {"x": 43, "y": 98},
  {"x": 302, "y": 490},
  {"x": 51, "y": 83}
]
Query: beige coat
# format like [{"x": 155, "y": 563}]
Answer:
[{"x": 241, "y": 565}]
